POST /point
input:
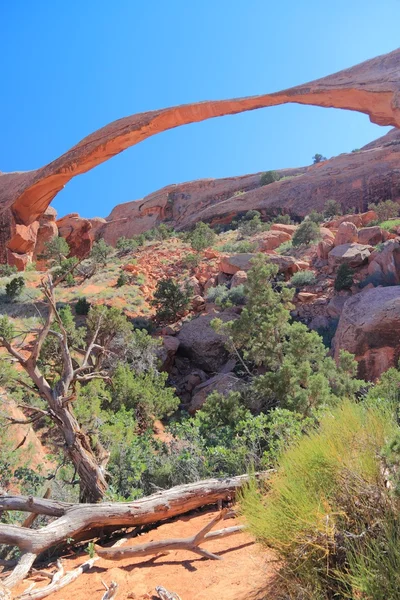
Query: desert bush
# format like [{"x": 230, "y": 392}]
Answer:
[
  {"x": 224, "y": 297},
  {"x": 317, "y": 158},
  {"x": 389, "y": 225},
  {"x": 202, "y": 237},
  {"x": 302, "y": 278},
  {"x": 56, "y": 250},
  {"x": 306, "y": 233},
  {"x": 316, "y": 217},
  {"x": 101, "y": 253},
  {"x": 344, "y": 278},
  {"x": 331, "y": 209},
  {"x": 123, "y": 279},
  {"x": 239, "y": 246},
  {"x": 7, "y": 270},
  {"x": 385, "y": 210},
  {"x": 250, "y": 227},
  {"x": 65, "y": 270},
  {"x": 284, "y": 248},
  {"x": 191, "y": 260},
  {"x": 125, "y": 245},
  {"x": 14, "y": 288},
  {"x": 283, "y": 219},
  {"x": 170, "y": 300},
  {"x": 269, "y": 177},
  {"x": 328, "y": 503},
  {"x": 82, "y": 306}
]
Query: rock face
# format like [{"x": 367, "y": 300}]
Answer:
[
  {"x": 353, "y": 255},
  {"x": 47, "y": 230},
  {"x": 78, "y": 234},
  {"x": 199, "y": 342},
  {"x": 372, "y": 87},
  {"x": 384, "y": 264},
  {"x": 369, "y": 328}
]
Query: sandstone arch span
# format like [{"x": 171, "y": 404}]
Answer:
[{"x": 372, "y": 87}]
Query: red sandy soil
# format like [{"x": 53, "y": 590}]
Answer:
[{"x": 243, "y": 573}]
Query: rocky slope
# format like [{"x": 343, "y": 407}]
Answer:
[{"x": 372, "y": 87}]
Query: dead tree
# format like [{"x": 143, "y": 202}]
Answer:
[
  {"x": 58, "y": 396},
  {"x": 80, "y": 521}
]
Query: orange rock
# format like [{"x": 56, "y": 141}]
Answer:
[
  {"x": 271, "y": 240},
  {"x": 24, "y": 238},
  {"x": 346, "y": 233},
  {"x": 290, "y": 229}
]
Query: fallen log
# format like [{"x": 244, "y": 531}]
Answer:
[
  {"x": 191, "y": 544},
  {"x": 81, "y": 519}
]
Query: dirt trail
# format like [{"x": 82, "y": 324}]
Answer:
[{"x": 244, "y": 570}]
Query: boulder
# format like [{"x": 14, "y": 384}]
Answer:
[
  {"x": 370, "y": 235},
  {"x": 384, "y": 264},
  {"x": 195, "y": 285},
  {"x": 18, "y": 260},
  {"x": 239, "y": 278},
  {"x": 368, "y": 216},
  {"x": 346, "y": 233},
  {"x": 222, "y": 383},
  {"x": 369, "y": 328},
  {"x": 238, "y": 262},
  {"x": 77, "y": 231},
  {"x": 166, "y": 352},
  {"x": 326, "y": 234},
  {"x": 270, "y": 240},
  {"x": 199, "y": 342},
  {"x": 335, "y": 305},
  {"x": 324, "y": 247},
  {"x": 47, "y": 231},
  {"x": 353, "y": 255},
  {"x": 24, "y": 238},
  {"x": 290, "y": 229}
]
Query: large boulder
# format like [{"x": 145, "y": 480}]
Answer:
[
  {"x": 77, "y": 231},
  {"x": 346, "y": 233},
  {"x": 242, "y": 262},
  {"x": 290, "y": 229},
  {"x": 270, "y": 240},
  {"x": 24, "y": 238},
  {"x": 239, "y": 278},
  {"x": 222, "y": 383},
  {"x": 369, "y": 328},
  {"x": 384, "y": 264},
  {"x": 199, "y": 342},
  {"x": 166, "y": 352},
  {"x": 353, "y": 255},
  {"x": 370, "y": 235},
  {"x": 324, "y": 247}
]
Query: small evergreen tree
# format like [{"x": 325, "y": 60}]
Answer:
[
  {"x": 331, "y": 209},
  {"x": 344, "y": 278},
  {"x": 170, "y": 300},
  {"x": 306, "y": 233},
  {"x": 101, "y": 252},
  {"x": 385, "y": 210},
  {"x": 15, "y": 287},
  {"x": 56, "y": 250},
  {"x": 269, "y": 177},
  {"x": 317, "y": 158},
  {"x": 202, "y": 237}
]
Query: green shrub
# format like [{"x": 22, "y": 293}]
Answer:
[
  {"x": 82, "y": 306},
  {"x": 123, "y": 279},
  {"x": 125, "y": 245},
  {"x": 239, "y": 246},
  {"x": 269, "y": 177},
  {"x": 284, "y": 219},
  {"x": 191, "y": 260},
  {"x": 306, "y": 233},
  {"x": 56, "y": 250},
  {"x": 317, "y": 158},
  {"x": 224, "y": 297},
  {"x": 202, "y": 237},
  {"x": 327, "y": 503},
  {"x": 344, "y": 278},
  {"x": 65, "y": 270},
  {"x": 302, "y": 278},
  {"x": 170, "y": 300},
  {"x": 331, "y": 209},
  {"x": 285, "y": 248},
  {"x": 15, "y": 287},
  {"x": 389, "y": 225},
  {"x": 385, "y": 210},
  {"x": 7, "y": 270},
  {"x": 101, "y": 252},
  {"x": 316, "y": 217}
]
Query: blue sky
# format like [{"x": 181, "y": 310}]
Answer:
[{"x": 68, "y": 68}]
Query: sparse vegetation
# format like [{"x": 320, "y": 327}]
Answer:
[
  {"x": 82, "y": 306},
  {"x": 202, "y": 237},
  {"x": 332, "y": 209},
  {"x": 317, "y": 158},
  {"x": 385, "y": 210},
  {"x": 7, "y": 270},
  {"x": 14, "y": 288},
  {"x": 224, "y": 297}
]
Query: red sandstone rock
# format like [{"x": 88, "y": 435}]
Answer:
[
  {"x": 270, "y": 240},
  {"x": 78, "y": 234},
  {"x": 370, "y": 235},
  {"x": 47, "y": 230},
  {"x": 369, "y": 328},
  {"x": 353, "y": 255},
  {"x": 290, "y": 229},
  {"x": 368, "y": 216},
  {"x": 323, "y": 248},
  {"x": 239, "y": 278},
  {"x": 18, "y": 260},
  {"x": 346, "y": 233},
  {"x": 384, "y": 264}
]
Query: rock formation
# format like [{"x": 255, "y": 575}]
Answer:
[
  {"x": 372, "y": 87},
  {"x": 369, "y": 328}
]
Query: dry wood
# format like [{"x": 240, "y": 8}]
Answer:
[
  {"x": 30, "y": 519},
  {"x": 164, "y": 594},
  {"x": 190, "y": 544},
  {"x": 80, "y": 520},
  {"x": 111, "y": 591}
]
